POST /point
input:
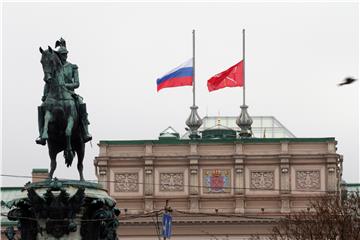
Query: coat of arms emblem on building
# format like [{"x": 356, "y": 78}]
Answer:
[{"x": 217, "y": 181}]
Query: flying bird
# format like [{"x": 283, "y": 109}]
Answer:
[{"x": 347, "y": 80}]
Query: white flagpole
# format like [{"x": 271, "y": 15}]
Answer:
[
  {"x": 244, "y": 121},
  {"x": 193, "y": 82},
  {"x": 194, "y": 121},
  {"x": 244, "y": 66}
]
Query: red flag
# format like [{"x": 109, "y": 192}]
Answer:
[{"x": 232, "y": 77}]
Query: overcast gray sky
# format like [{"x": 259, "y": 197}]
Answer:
[{"x": 296, "y": 53}]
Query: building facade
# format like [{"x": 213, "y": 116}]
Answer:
[{"x": 218, "y": 188}]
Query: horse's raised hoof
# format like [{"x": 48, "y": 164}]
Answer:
[{"x": 41, "y": 141}]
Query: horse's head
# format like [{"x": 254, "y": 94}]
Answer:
[{"x": 50, "y": 62}]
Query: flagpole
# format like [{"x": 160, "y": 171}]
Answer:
[
  {"x": 194, "y": 121},
  {"x": 244, "y": 121},
  {"x": 193, "y": 83},
  {"x": 244, "y": 66}
]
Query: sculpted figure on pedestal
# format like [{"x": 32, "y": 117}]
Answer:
[
  {"x": 62, "y": 116},
  {"x": 71, "y": 77}
]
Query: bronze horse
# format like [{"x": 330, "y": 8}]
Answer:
[{"x": 61, "y": 122}]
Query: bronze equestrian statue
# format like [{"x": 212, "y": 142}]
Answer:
[
  {"x": 63, "y": 122},
  {"x": 71, "y": 83}
]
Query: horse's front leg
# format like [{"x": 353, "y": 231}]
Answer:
[
  {"x": 47, "y": 119},
  {"x": 52, "y": 153},
  {"x": 80, "y": 152},
  {"x": 69, "y": 155}
]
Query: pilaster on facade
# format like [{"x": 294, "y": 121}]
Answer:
[
  {"x": 331, "y": 180},
  {"x": 148, "y": 149},
  {"x": 193, "y": 149},
  {"x": 239, "y": 149},
  {"x": 240, "y": 204},
  {"x": 194, "y": 177},
  {"x": 284, "y": 176},
  {"x": 101, "y": 170},
  {"x": 103, "y": 177},
  {"x": 284, "y": 147},
  {"x": 103, "y": 149},
  {"x": 194, "y": 170},
  {"x": 285, "y": 203},
  {"x": 194, "y": 204},
  {"x": 332, "y": 147},
  {"x": 149, "y": 176},
  {"x": 148, "y": 204},
  {"x": 239, "y": 177}
]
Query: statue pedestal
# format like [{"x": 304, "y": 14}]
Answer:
[{"x": 65, "y": 209}]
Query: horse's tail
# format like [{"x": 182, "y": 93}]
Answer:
[
  {"x": 69, "y": 157},
  {"x": 68, "y": 162}
]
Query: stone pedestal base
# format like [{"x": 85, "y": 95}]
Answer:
[{"x": 63, "y": 209}]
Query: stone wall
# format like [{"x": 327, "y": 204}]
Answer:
[{"x": 233, "y": 177}]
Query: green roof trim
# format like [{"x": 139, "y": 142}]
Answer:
[
  {"x": 351, "y": 184},
  {"x": 245, "y": 140},
  {"x": 10, "y": 188},
  {"x": 40, "y": 170}
]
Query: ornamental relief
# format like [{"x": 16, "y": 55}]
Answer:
[
  {"x": 126, "y": 182},
  {"x": 307, "y": 180},
  {"x": 261, "y": 180},
  {"x": 171, "y": 182}
]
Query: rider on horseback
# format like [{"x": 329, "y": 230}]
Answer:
[{"x": 71, "y": 76}]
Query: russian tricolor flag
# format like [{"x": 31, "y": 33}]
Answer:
[{"x": 179, "y": 76}]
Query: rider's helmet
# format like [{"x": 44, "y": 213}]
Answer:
[{"x": 61, "y": 43}]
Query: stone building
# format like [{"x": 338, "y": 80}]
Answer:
[{"x": 219, "y": 186}]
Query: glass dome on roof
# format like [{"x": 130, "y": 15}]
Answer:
[{"x": 262, "y": 127}]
